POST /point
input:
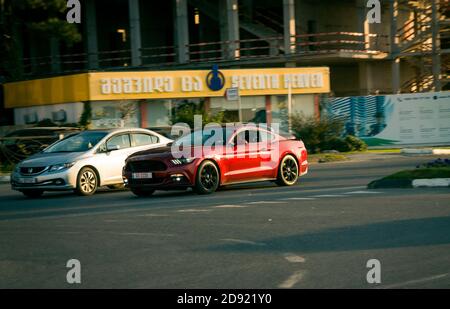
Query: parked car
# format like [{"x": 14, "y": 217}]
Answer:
[
  {"x": 82, "y": 162},
  {"x": 248, "y": 154},
  {"x": 23, "y": 143}
]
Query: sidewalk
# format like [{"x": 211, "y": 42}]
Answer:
[{"x": 425, "y": 151}]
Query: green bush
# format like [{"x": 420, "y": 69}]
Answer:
[
  {"x": 317, "y": 134},
  {"x": 324, "y": 134},
  {"x": 355, "y": 143},
  {"x": 337, "y": 143}
]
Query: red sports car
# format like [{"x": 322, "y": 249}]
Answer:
[{"x": 207, "y": 159}]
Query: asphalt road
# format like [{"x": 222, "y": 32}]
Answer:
[{"x": 317, "y": 234}]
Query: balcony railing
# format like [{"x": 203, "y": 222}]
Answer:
[{"x": 161, "y": 57}]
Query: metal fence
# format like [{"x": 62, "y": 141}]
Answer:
[{"x": 208, "y": 52}]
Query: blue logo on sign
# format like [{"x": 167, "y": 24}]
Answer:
[{"x": 215, "y": 79}]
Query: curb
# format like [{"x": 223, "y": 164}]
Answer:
[
  {"x": 425, "y": 151},
  {"x": 433, "y": 182},
  {"x": 409, "y": 183},
  {"x": 390, "y": 183},
  {"x": 5, "y": 179}
]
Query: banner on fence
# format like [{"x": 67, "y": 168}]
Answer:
[{"x": 403, "y": 119}]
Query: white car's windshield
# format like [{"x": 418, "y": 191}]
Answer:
[{"x": 77, "y": 143}]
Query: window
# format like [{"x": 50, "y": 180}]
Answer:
[
  {"x": 123, "y": 141},
  {"x": 144, "y": 139},
  {"x": 246, "y": 137},
  {"x": 77, "y": 143},
  {"x": 266, "y": 136}
]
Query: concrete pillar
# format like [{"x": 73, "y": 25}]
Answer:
[
  {"x": 435, "y": 43},
  {"x": 363, "y": 26},
  {"x": 135, "y": 33},
  {"x": 289, "y": 26},
  {"x": 55, "y": 55},
  {"x": 91, "y": 34},
  {"x": 366, "y": 85},
  {"x": 229, "y": 28},
  {"x": 365, "y": 69},
  {"x": 33, "y": 54},
  {"x": 223, "y": 26},
  {"x": 17, "y": 65},
  {"x": 393, "y": 14},
  {"x": 181, "y": 31}
]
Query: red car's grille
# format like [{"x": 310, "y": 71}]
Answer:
[{"x": 146, "y": 166}]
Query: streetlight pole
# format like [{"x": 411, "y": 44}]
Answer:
[
  {"x": 240, "y": 108},
  {"x": 289, "y": 105}
]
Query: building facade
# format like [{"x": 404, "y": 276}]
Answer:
[
  {"x": 157, "y": 98},
  {"x": 406, "y": 52}
]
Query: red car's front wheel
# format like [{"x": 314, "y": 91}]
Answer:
[{"x": 207, "y": 179}]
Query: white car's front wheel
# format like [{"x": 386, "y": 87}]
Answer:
[{"x": 87, "y": 182}]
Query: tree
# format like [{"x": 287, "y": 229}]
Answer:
[
  {"x": 127, "y": 109},
  {"x": 185, "y": 112},
  {"x": 86, "y": 116},
  {"x": 46, "y": 17}
]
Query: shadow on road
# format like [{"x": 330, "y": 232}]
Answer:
[{"x": 382, "y": 235}]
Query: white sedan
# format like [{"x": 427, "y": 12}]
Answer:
[{"x": 83, "y": 161}]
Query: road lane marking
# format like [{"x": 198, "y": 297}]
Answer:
[
  {"x": 243, "y": 241},
  {"x": 330, "y": 195},
  {"x": 230, "y": 206},
  {"x": 142, "y": 234},
  {"x": 194, "y": 210},
  {"x": 39, "y": 232},
  {"x": 299, "y": 199},
  {"x": 292, "y": 258},
  {"x": 152, "y": 215},
  {"x": 122, "y": 208},
  {"x": 395, "y": 285},
  {"x": 363, "y": 192},
  {"x": 292, "y": 280},
  {"x": 266, "y": 202}
]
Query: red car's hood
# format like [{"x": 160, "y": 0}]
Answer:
[
  {"x": 160, "y": 153},
  {"x": 164, "y": 151}
]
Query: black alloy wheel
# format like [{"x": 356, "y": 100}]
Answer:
[
  {"x": 288, "y": 171},
  {"x": 207, "y": 180}
]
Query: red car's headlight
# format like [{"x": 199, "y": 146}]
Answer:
[{"x": 182, "y": 161}]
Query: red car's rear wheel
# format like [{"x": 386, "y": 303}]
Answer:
[
  {"x": 287, "y": 171},
  {"x": 207, "y": 180}
]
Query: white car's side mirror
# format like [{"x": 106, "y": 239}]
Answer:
[{"x": 112, "y": 147}]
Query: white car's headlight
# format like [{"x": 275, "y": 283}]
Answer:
[
  {"x": 60, "y": 167},
  {"x": 181, "y": 161}
]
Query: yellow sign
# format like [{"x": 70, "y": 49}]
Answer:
[
  {"x": 63, "y": 89},
  {"x": 166, "y": 85}
]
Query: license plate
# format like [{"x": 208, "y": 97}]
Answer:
[
  {"x": 27, "y": 180},
  {"x": 142, "y": 175}
]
